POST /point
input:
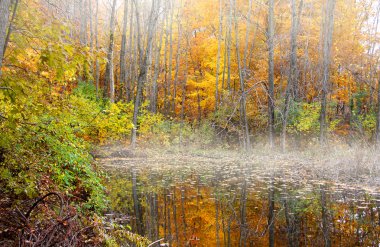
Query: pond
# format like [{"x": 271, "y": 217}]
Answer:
[{"x": 202, "y": 201}]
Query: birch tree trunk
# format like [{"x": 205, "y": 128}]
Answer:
[
  {"x": 9, "y": 31},
  {"x": 328, "y": 27},
  {"x": 374, "y": 64},
  {"x": 4, "y": 20},
  {"x": 293, "y": 70},
  {"x": 144, "y": 62},
  {"x": 170, "y": 68},
  {"x": 83, "y": 23},
  {"x": 166, "y": 89},
  {"x": 154, "y": 94},
  {"x": 243, "y": 104},
  {"x": 91, "y": 39},
  {"x": 228, "y": 42},
  {"x": 123, "y": 51},
  {"x": 218, "y": 55},
  {"x": 178, "y": 55},
  {"x": 271, "y": 71},
  {"x": 110, "y": 80},
  {"x": 97, "y": 65},
  {"x": 131, "y": 47}
]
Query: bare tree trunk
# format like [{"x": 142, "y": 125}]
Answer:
[
  {"x": 123, "y": 51},
  {"x": 166, "y": 88},
  {"x": 218, "y": 55},
  {"x": 224, "y": 64},
  {"x": 228, "y": 40},
  {"x": 9, "y": 31},
  {"x": 154, "y": 93},
  {"x": 328, "y": 27},
  {"x": 247, "y": 33},
  {"x": 178, "y": 55},
  {"x": 110, "y": 80},
  {"x": 293, "y": 73},
  {"x": 144, "y": 62},
  {"x": 243, "y": 103},
  {"x": 183, "y": 97},
  {"x": 4, "y": 20},
  {"x": 91, "y": 39},
  {"x": 132, "y": 53},
  {"x": 271, "y": 71},
  {"x": 377, "y": 132},
  {"x": 199, "y": 107},
  {"x": 170, "y": 68},
  {"x": 83, "y": 23},
  {"x": 97, "y": 65}
]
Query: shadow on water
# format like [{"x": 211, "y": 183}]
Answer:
[{"x": 243, "y": 205}]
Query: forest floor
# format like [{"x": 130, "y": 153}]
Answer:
[{"x": 353, "y": 167}]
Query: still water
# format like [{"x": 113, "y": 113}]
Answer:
[{"x": 207, "y": 203}]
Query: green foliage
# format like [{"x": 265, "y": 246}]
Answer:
[
  {"x": 49, "y": 154},
  {"x": 304, "y": 118},
  {"x": 367, "y": 122}
]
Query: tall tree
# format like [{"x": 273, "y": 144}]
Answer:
[
  {"x": 123, "y": 51},
  {"x": 110, "y": 80},
  {"x": 270, "y": 39},
  {"x": 327, "y": 34},
  {"x": 243, "y": 102},
  {"x": 170, "y": 65},
  {"x": 83, "y": 23},
  {"x": 228, "y": 44},
  {"x": 291, "y": 90},
  {"x": 218, "y": 55},
  {"x": 4, "y": 20},
  {"x": 10, "y": 29},
  {"x": 144, "y": 61},
  {"x": 157, "y": 66},
  {"x": 177, "y": 63},
  {"x": 132, "y": 55},
  {"x": 97, "y": 65},
  {"x": 90, "y": 17},
  {"x": 373, "y": 70}
]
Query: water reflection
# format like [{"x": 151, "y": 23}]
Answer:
[{"x": 243, "y": 205}]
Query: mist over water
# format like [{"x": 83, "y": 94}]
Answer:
[{"x": 225, "y": 200}]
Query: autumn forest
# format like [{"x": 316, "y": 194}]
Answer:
[{"x": 189, "y": 123}]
